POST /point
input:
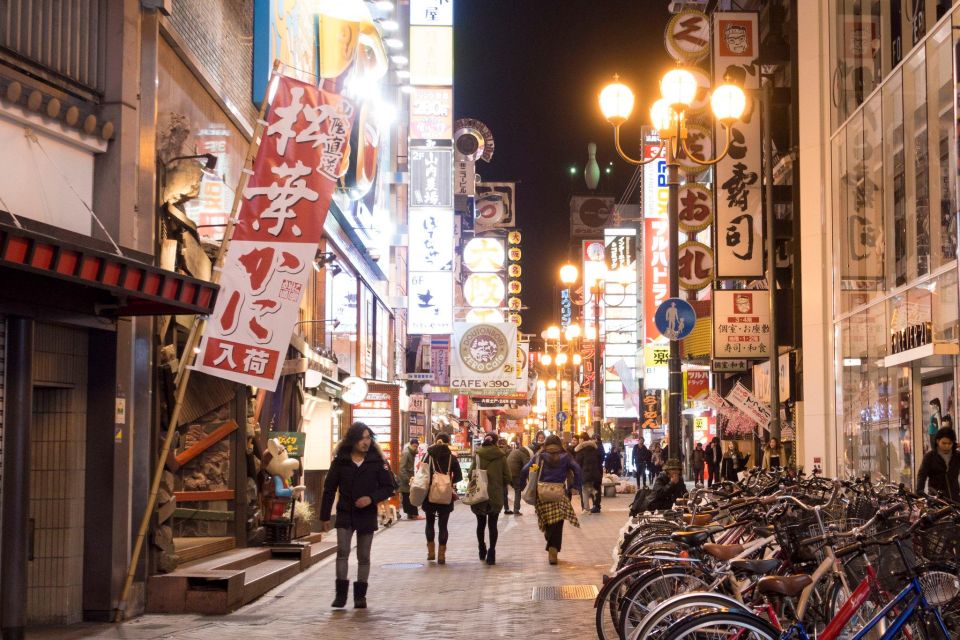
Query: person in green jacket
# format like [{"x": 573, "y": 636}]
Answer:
[
  {"x": 408, "y": 460},
  {"x": 491, "y": 459}
]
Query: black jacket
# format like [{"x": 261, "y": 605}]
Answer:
[
  {"x": 664, "y": 494},
  {"x": 372, "y": 478},
  {"x": 641, "y": 455},
  {"x": 442, "y": 460},
  {"x": 714, "y": 454},
  {"x": 613, "y": 464},
  {"x": 935, "y": 473},
  {"x": 590, "y": 459}
]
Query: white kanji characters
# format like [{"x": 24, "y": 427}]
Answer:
[
  {"x": 284, "y": 197},
  {"x": 226, "y": 355},
  {"x": 284, "y": 127},
  {"x": 256, "y": 361}
]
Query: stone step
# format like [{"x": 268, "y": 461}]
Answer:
[{"x": 262, "y": 577}]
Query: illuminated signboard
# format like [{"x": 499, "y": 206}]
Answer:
[
  {"x": 431, "y": 12},
  {"x": 430, "y": 307},
  {"x": 484, "y": 255},
  {"x": 484, "y": 290},
  {"x": 431, "y": 56},
  {"x": 621, "y": 389},
  {"x": 431, "y": 177},
  {"x": 431, "y": 113},
  {"x": 376, "y": 412},
  {"x": 431, "y": 233}
]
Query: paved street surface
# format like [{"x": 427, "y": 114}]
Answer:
[{"x": 411, "y": 598}]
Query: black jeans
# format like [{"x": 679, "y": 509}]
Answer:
[
  {"x": 408, "y": 507},
  {"x": 506, "y": 498},
  {"x": 487, "y": 521},
  {"x": 443, "y": 517},
  {"x": 713, "y": 474},
  {"x": 554, "y": 535},
  {"x": 597, "y": 492}
]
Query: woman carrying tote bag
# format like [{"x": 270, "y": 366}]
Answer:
[
  {"x": 440, "y": 457},
  {"x": 553, "y": 506},
  {"x": 490, "y": 458}
]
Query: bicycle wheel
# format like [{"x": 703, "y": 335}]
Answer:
[
  {"x": 653, "y": 588},
  {"x": 723, "y": 625},
  {"x": 607, "y": 602},
  {"x": 679, "y": 607}
]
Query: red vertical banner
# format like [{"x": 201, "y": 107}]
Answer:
[
  {"x": 656, "y": 272},
  {"x": 279, "y": 227}
]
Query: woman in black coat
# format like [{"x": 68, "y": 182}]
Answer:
[
  {"x": 362, "y": 477},
  {"x": 440, "y": 460},
  {"x": 940, "y": 469},
  {"x": 590, "y": 458}
]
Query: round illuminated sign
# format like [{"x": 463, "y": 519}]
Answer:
[
  {"x": 514, "y": 303},
  {"x": 514, "y": 287},
  {"x": 483, "y": 348},
  {"x": 484, "y": 290},
  {"x": 514, "y": 254},
  {"x": 514, "y": 271},
  {"x": 484, "y": 255},
  {"x": 513, "y": 237},
  {"x": 354, "y": 390}
]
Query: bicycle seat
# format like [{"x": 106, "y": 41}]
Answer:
[
  {"x": 699, "y": 520},
  {"x": 691, "y": 538},
  {"x": 754, "y": 567},
  {"x": 789, "y": 586},
  {"x": 723, "y": 552}
]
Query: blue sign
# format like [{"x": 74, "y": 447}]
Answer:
[
  {"x": 561, "y": 416},
  {"x": 675, "y": 318}
]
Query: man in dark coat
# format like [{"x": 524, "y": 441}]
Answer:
[
  {"x": 362, "y": 478},
  {"x": 590, "y": 458},
  {"x": 516, "y": 461},
  {"x": 713, "y": 455},
  {"x": 408, "y": 460},
  {"x": 641, "y": 462},
  {"x": 940, "y": 469},
  {"x": 667, "y": 488}
]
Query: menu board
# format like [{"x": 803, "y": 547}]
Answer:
[{"x": 376, "y": 412}]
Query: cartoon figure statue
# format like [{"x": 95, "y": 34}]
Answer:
[{"x": 277, "y": 470}]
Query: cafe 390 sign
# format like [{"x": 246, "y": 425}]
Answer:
[{"x": 483, "y": 357}]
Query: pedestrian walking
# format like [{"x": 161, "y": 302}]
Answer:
[
  {"x": 573, "y": 444},
  {"x": 440, "y": 460},
  {"x": 698, "y": 459},
  {"x": 590, "y": 458},
  {"x": 613, "y": 462},
  {"x": 516, "y": 461},
  {"x": 505, "y": 447},
  {"x": 491, "y": 459},
  {"x": 772, "y": 454},
  {"x": 538, "y": 441},
  {"x": 408, "y": 461},
  {"x": 642, "y": 462},
  {"x": 714, "y": 456},
  {"x": 361, "y": 476},
  {"x": 656, "y": 460},
  {"x": 940, "y": 469},
  {"x": 731, "y": 462},
  {"x": 553, "y": 464}
]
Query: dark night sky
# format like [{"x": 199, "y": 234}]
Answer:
[{"x": 531, "y": 70}]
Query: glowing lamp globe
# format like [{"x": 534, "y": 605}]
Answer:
[
  {"x": 561, "y": 359},
  {"x": 551, "y": 384},
  {"x": 679, "y": 88},
  {"x": 569, "y": 274},
  {"x": 553, "y": 333},
  {"x": 728, "y": 103},
  {"x": 661, "y": 116},
  {"x": 572, "y": 332},
  {"x": 577, "y": 359},
  {"x": 546, "y": 360},
  {"x": 616, "y": 103}
]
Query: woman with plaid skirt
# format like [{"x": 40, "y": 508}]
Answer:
[{"x": 554, "y": 465}]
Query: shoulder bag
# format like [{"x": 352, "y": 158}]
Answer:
[
  {"x": 420, "y": 484},
  {"x": 441, "y": 485},
  {"x": 529, "y": 494},
  {"x": 477, "y": 489}
]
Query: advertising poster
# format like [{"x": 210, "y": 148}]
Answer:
[
  {"x": 275, "y": 240},
  {"x": 589, "y": 215},
  {"x": 430, "y": 296},
  {"x": 431, "y": 177},
  {"x": 741, "y": 324},
  {"x": 483, "y": 358}
]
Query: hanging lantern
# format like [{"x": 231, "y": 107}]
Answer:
[{"x": 513, "y": 237}]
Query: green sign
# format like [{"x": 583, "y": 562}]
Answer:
[{"x": 293, "y": 441}]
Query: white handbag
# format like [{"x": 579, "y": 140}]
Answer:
[
  {"x": 420, "y": 484},
  {"x": 441, "y": 484},
  {"x": 477, "y": 489}
]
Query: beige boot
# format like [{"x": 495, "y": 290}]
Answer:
[
  {"x": 442, "y": 554},
  {"x": 431, "y": 551},
  {"x": 552, "y": 551}
]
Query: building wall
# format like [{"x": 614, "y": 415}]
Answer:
[
  {"x": 57, "y": 468},
  {"x": 3, "y": 358},
  {"x": 219, "y": 34}
]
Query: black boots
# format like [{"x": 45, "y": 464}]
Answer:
[
  {"x": 492, "y": 556},
  {"x": 482, "y": 548},
  {"x": 343, "y": 588},
  {"x": 359, "y": 595}
]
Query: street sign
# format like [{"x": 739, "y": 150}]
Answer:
[
  {"x": 561, "y": 416},
  {"x": 675, "y": 318}
]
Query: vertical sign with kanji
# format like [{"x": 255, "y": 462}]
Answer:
[
  {"x": 279, "y": 226},
  {"x": 739, "y": 226}
]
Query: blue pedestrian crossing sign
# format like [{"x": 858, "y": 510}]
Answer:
[
  {"x": 675, "y": 318},
  {"x": 561, "y": 416}
]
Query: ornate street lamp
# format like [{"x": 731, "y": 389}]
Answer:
[{"x": 678, "y": 88}]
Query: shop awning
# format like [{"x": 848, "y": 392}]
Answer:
[{"x": 53, "y": 270}]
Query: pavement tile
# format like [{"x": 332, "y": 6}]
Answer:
[{"x": 463, "y": 599}]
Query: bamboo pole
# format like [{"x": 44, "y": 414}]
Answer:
[{"x": 183, "y": 375}]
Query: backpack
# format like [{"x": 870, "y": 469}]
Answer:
[
  {"x": 441, "y": 485},
  {"x": 641, "y": 501}
]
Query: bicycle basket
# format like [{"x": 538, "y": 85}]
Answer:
[{"x": 940, "y": 542}]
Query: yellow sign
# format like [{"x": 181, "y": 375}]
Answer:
[{"x": 484, "y": 255}]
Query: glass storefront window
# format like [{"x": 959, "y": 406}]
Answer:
[
  {"x": 366, "y": 335},
  {"x": 943, "y": 151},
  {"x": 917, "y": 157},
  {"x": 894, "y": 179},
  {"x": 342, "y": 306},
  {"x": 855, "y": 55}
]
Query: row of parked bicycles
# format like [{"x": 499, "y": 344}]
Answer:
[{"x": 783, "y": 557}]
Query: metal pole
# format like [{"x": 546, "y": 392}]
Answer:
[
  {"x": 771, "y": 261},
  {"x": 597, "y": 384},
  {"x": 16, "y": 487},
  {"x": 676, "y": 381}
]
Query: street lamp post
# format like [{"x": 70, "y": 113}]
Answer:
[{"x": 678, "y": 88}]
